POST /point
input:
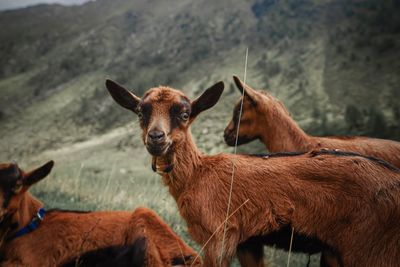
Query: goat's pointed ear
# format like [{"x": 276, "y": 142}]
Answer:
[
  {"x": 122, "y": 96},
  {"x": 207, "y": 100},
  {"x": 38, "y": 174},
  {"x": 248, "y": 91}
]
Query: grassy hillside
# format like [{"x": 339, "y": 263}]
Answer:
[{"x": 334, "y": 63}]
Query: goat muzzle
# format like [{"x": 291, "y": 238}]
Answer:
[
  {"x": 157, "y": 150},
  {"x": 229, "y": 138}
]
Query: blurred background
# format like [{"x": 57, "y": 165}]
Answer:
[{"x": 334, "y": 63}]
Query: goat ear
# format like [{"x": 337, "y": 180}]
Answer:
[
  {"x": 248, "y": 91},
  {"x": 122, "y": 96},
  {"x": 207, "y": 100},
  {"x": 38, "y": 174}
]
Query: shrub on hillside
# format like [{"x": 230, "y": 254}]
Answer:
[
  {"x": 353, "y": 117},
  {"x": 376, "y": 124}
]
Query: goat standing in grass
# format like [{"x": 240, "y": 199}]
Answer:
[
  {"x": 349, "y": 202},
  {"x": 266, "y": 118},
  {"x": 32, "y": 237}
]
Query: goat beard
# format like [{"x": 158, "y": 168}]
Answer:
[{"x": 161, "y": 163}]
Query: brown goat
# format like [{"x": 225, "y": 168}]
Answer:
[
  {"x": 61, "y": 236},
  {"x": 350, "y": 202},
  {"x": 266, "y": 118}
]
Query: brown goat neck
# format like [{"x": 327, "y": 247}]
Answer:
[
  {"x": 281, "y": 132},
  {"x": 186, "y": 158},
  {"x": 28, "y": 208}
]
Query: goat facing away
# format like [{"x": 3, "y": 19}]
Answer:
[
  {"x": 266, "y": 118},
  {"x": 32, "y": 237},
  {"x": 349, "y": 202}
]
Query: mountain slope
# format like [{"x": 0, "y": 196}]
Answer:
[{"x": 320, "y": 58}]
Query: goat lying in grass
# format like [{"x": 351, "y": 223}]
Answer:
[
  {"x": 349, "y": 202},
  {"x": 32, "y": 237},
  {"x": 266, "y": 118}
]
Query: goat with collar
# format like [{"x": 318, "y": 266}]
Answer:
[
  {"x": 61, "y": 236},
  {"x": 351, "y": 203}
]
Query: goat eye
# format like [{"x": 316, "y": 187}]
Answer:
[
  {"x": 140, "y": 115},
  {"x": 184, "y": 116}
]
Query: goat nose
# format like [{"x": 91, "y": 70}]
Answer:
[
  {"x": 228, "y": 131},
  {"x": 156, "y": 136}
]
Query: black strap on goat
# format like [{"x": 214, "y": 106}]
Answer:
[{"x": 183, "y": 260}]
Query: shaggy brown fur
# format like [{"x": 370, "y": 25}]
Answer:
[
  {"x": 266, "y": 118},
  {"x": 65, "y": 235},
  {"x": 351, "y": 203}
]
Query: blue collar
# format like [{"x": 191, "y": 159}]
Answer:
[{"x": 32, "y": 225}]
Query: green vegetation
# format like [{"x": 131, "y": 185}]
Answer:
[{"x": 333, "y": 63}]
